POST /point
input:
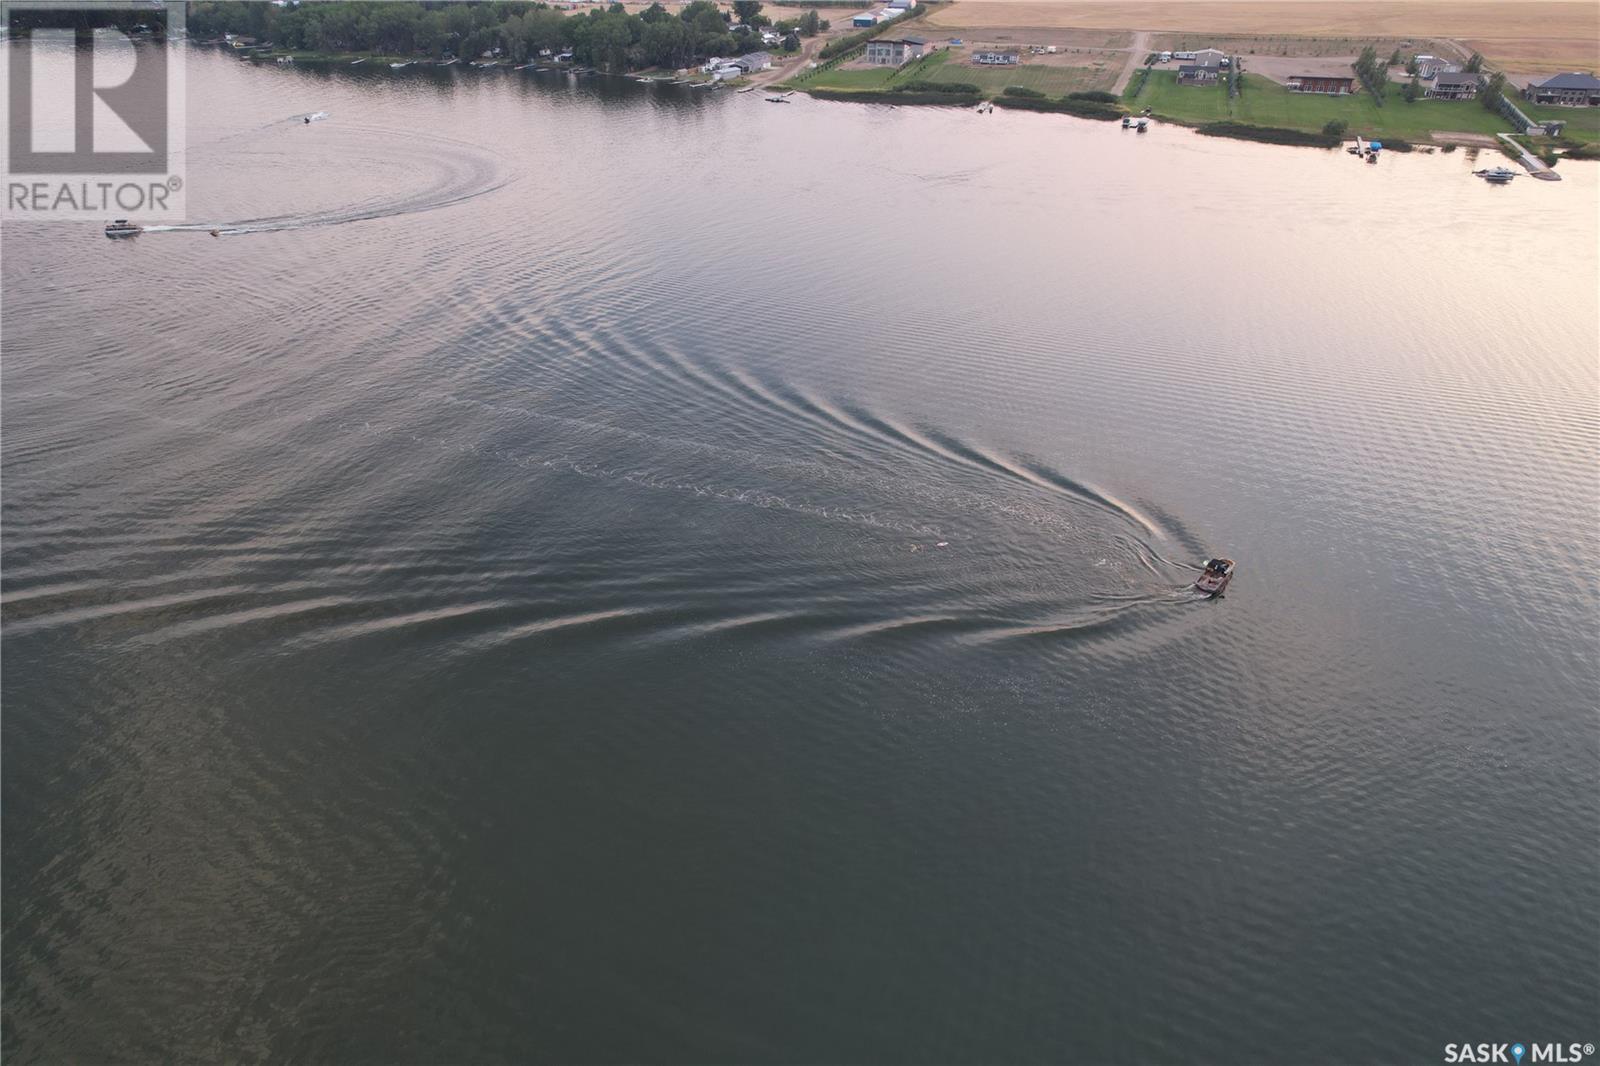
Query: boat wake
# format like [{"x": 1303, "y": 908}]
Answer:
[{"x": 454, "y": 172}]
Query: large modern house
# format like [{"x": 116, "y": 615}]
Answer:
[
  {"x": 1321, "y": 83},
  {"x": 1571, "y": 90},
  {"x": 1457, "y": 85},
  {"x": 894, "y": 51}
]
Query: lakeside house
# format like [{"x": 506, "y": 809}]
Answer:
[
  {"x": 1456, "y": 85},
  {"x": 753, "y": 62},
  {"x": 894, "y": 51},
  {"x": 1199, "y": 74},
  {"x": 992, "y": 57},
  {"x": 1332, "y": 84},
  {"x": 1572, "y": 89},
  {"x": 1430, "y": 67}
]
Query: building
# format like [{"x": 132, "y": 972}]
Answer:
[
  {"x": 753, "y": 62},
  {"x": 894, "y": 51},
  {"x": 1430, "y": 67},
  {"x": 865, "y": 20},
  {"x": 994, "y": 58},
  {"x": 1456, "y": 85},
  {"x": 1211, "y": 57},
  {"x": 1569, "y": 90},
  {"x": 1198, "y": 74},
  {"x": 1331, "y": 84},
  {"x": 900, "y": 7}
]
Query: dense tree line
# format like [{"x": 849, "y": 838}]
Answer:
[
  {"x": 1373, "y": 72},
  {"x": 610, "y": 37}
]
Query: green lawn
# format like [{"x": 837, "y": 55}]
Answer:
[
  {"x": 947, "y": 66},
  {"x": 1050, "y": 80},
  {"x": 1266, "y": 103},
  {"x": 839, "y": 78},
  {"x": 1583, "y": 123}
]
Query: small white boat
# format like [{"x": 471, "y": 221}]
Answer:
[
  {"x": 123, "y": 228},
  {"x": 1215, "y": 577},
  {"x": 398, "y": 66},
  {"x": 1497, "y": 175},
  {"x": 358, "y": 62}
]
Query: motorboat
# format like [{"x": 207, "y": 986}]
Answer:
[
  {"x": 123, "y": 228},
  {"x": 1497, "y": 175},
  {"x": 1126, "y": 121},
  {"x": 1214, "y": 577},
  {"x": 1142, "y": 125}
]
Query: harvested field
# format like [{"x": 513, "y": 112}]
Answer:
[
  {"x": 1523, "y": 35},
  {"x": 1061, "y": 37},
  {"x": 1280, "y": 45}
]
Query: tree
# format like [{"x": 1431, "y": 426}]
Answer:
[
  {"x": 809, "y": 23},
  {"x": 791, "y": 42},
  {"x": 1394, "y": 58},
  {"x": 1493, "y": 92},
  {"x": 1411, "y": 67},
  {"x": 745, "y": 10},
  {"x": 654, "y": 13},
  {"x": 1475, "y": 64},
  {"x": 1412, "y": 90}
]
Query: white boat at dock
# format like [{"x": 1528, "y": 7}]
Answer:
[{"x": 1496, "y": 175}]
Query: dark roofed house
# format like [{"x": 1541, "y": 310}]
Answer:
[
  {"x": 1456, "y": 85},
  {"x": 1571, "y": 90},
  {"x": 1332, "y": 84},
  {"x": 1198, "y": 74}
]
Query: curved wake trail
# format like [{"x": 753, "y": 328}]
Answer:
[{"x": 465, "y": 172}]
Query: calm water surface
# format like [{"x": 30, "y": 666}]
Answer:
[{"x": 593, "y": 572}]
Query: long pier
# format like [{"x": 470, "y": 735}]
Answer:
[{"x": 1534, "y": 164}]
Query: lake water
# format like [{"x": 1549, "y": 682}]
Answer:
[{"x": 594, "y": 572}]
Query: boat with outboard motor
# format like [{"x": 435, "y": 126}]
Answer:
[
  {"x": 1214, "y": 577},
  {"x": 1496, "y": 175},
  {"x": 123, "y": 228}
]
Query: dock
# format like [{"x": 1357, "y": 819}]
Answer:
[{"x": 1533, "y": 163}]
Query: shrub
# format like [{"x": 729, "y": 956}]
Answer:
[
  {"x": 1081, "y": 108},
  {"x": 1270, "y": 134},
  {"x": 914, "y": 86},
  {"x": 1022, "y": 90},
  {"x": 1096, "y": 95},
  {"x": 871, "y": 97},
  {"x": 1335, "y": 128}
]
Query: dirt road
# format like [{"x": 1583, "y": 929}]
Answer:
[{"x": 1136, "y": 55}]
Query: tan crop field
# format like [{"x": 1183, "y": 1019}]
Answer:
[{"x": 1519, "y": 35}]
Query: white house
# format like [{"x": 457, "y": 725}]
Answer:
[{"x": 894, "y": 51}]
